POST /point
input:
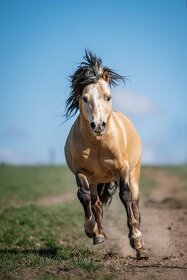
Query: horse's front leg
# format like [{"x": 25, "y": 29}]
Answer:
[
  {"x": 135, "y": 235},
  {"x": 90, "y": 222}
]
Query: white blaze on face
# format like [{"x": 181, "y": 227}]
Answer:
[{"x": 95, "y": 105}]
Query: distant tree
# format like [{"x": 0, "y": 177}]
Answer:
[{"x": 52, "y": 156}]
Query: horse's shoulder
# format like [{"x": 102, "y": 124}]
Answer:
[
  {"x": 121, "y": 117},
  {"x": 128, "y": 128}
]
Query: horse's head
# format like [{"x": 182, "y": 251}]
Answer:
[
  {"x": 95, "y": 104},
  {"x": 91, "y": 93}
]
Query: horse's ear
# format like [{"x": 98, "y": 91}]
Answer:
[{"x": 106, "y": 76}]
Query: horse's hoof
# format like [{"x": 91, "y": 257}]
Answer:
[
  {"x": 142, "y": 254},
  {"x": 98, "y": 239}
]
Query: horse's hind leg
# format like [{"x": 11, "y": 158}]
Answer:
[
  {"x": 90, "y": 221},
  {"x": 129, "y": 195},
  {"x": 97, "y": 209},
  {"x": 100, "y": 196}
]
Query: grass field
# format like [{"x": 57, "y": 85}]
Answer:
[{"x": 46, "y": 240}]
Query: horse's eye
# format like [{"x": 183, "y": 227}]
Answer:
[
  {"x": 85, "y": 99},
  {"x": 108, "y": 98}
]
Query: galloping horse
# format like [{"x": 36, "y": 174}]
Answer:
[{"x": 103, "y": 150}]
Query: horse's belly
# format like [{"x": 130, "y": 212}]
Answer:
[{"x": 101, "y": 177}]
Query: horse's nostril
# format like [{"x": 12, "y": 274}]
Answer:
[
  {"x": 92, "y": 124},
  {"x": 103, "y": 125}
]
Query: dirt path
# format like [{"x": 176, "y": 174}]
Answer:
[
  {"x": 163, "y": 227},
  {"x": 54, "y": 200},
  {"x": 164, "y": 230}
]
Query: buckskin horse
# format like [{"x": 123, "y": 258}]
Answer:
[{"x": 103, "y": 150}]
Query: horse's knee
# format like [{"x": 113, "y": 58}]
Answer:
[
  {"x": 82, "y": 181},
  {"x": 83, "y": 192},
  {"x": 124, "y": 189},
  {"x": 84, "y": 196},
  {"x": 125, "y": 193}
]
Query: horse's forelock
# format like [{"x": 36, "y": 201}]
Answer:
[{"x": 89, "y": 71}]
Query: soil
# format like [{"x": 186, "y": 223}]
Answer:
[
  {"x": 53, "y": 200},
  {"x": 163, "y": 225}
]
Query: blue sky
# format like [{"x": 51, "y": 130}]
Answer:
[{"x": 42, "y": 43}]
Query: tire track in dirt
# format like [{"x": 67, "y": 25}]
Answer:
[
  {"x": 55, "y": 200},
  {"x": 44, "y": 201}
]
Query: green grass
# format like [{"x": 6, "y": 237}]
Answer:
[
  {"x": 42, "y": 261},
  {"x": 180, "y": 171},
  {"x": 34, "y": 226},
  {"x": 38, "y": 240},
  {"x": 26, "y": 184},
  {"x": 147, "y": 182}
]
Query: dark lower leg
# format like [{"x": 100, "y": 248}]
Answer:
[
  {"x": 97, "y": 210},
  {"x": 84, "y": 196},
  {"x": 133, "y": 217}
]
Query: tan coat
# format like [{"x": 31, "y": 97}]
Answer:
[{"x": 100, "y": 158}]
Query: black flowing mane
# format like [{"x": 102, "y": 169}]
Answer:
[{"x": 88, "y": 72}]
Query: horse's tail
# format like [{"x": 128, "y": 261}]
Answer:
[{"x": 106, "y": 192}]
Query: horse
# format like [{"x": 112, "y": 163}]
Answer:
[{"x": 103, "y": 150}]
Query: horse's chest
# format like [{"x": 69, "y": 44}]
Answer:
[
  {"x": 98, "y": 155},
  {"x": 100, "y": 161}
]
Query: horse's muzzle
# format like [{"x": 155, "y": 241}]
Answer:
[{"x": 99, "y": 128}]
